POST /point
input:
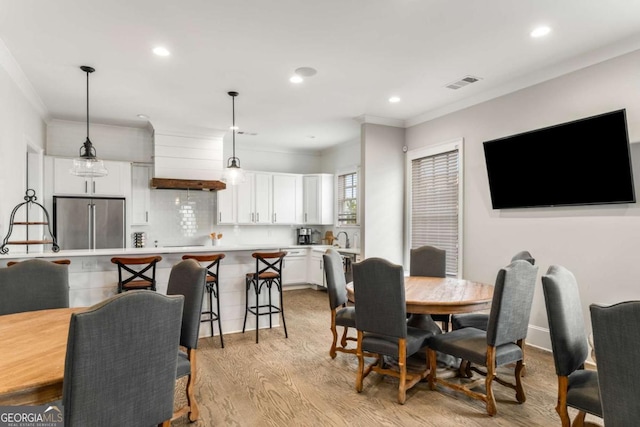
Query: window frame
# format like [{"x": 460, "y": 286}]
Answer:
[
  {"x": 433, "y": 150},
  {"x": 338, "y": 173}
]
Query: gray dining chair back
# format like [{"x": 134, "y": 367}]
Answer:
[
  {"x": 428, "y": 261},
  {"x": 615, "y": 339},
  {"x": 524, "y": 255},
  {"x": 577, "y": 387},
  {"x": 119, "y": 375},
  {"x": 32, "y": 285},
  {"x": 336, "y": 282},
  {"x": 188, "y": 278},
  {"x": 511, "y": 303},
  {"x": 382, "y": 325},
  {"x": 378, "y": 286},
  {"x": 503, "y": 341},
  {"x": 480, "y": 320},
  {"x": 341, "y": 314}
]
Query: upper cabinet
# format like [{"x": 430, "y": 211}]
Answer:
[
  {"x": 287, "y": 199},
  {"x": 318, "y": 199},
  {"x": 140, "y": 194},
  {"x": 114, "y": 184},
  {"x": 253, "y": 199},
  {"x": 264, "y": 198}
]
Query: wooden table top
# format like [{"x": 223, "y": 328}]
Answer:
[
  {"x": 33, "y": 347},
  {"x": 437, "y": 295}
]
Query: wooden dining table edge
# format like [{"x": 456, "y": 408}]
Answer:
[{"x": 36, "y": 395}]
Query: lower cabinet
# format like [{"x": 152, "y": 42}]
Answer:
[
  {"x": 315, "y": 271},
  {"x": 295, "y": 266}
]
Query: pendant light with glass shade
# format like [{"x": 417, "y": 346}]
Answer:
[
  {"x": 233, "y": 174},
  {"x": 87, "y": 164}
]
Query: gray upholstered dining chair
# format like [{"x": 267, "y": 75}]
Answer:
[
  {"x": 480, "y": 320},
  {"x": 615, "y": 339},
  {"x": 430, "y": 261},
  {"x": 117, "y": 375},
  {"x": 32, "y": 285},
  {"x": 381, "y": 323},
  {"x": 188, "y": 278},
  {"x": 503, "y": 341},
  {"x": 341, "y": 315},
  {"x": 577, "y": 387}
]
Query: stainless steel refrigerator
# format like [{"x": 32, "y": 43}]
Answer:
[{"x": 89, "y": 222}]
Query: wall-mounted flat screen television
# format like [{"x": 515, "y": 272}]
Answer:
[{"x": 583, "y": 162}]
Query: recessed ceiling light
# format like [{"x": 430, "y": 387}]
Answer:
[
  {"x": 296, "y": 79},
  {"x": 161, "y": 51},
  {"x": 306, "y": 71},
  {"x": 540, "y": 32},
  {"x": 394, "y": 99},
  {"x": 142, "y": 116}
]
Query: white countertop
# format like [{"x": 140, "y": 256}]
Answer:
[{"x": 166, "y": 250}]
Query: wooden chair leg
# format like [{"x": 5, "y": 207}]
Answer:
[
  {"x": 433, "y": 366},
  {"x": 491, "y": 373},
  {"x": 402, "y": 367},
  {"x": 165, "y": 424},
  {"x": 343, "y": 341},
  {"x": 194, "y": 412},
  {"x": 360, "y": 374},
  {"x": 578, "y": 421},
  {"x": 332, "y": 350},
  {"x": 561, "y": 407},
  {"x": 520, "y": 396}
]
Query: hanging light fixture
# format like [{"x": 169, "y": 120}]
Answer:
[
  {"x": 233, "y": 174},
  {"x": 87, "y": 164}
]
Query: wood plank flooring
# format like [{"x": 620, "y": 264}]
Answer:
[{"x": 294, "y": 382}]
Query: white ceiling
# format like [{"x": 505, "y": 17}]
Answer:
[{"x": 364, "y": 50}]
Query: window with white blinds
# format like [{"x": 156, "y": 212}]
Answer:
[
  {"x": 435, "y": 187},
  {"x": 348, "y": 199}
]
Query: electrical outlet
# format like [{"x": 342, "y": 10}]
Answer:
[{"x": 89, "y": 264}]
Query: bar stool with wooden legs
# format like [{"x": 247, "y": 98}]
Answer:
[
  {"x": 211, "y": 288},
  {"x": 268, "y": 273},
  {"x": 138, "y": 276}
]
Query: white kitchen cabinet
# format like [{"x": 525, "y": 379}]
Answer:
[
  {"x": 227, "y": 205},
  {"x": 318, "y": 199},
  {"x": 295, "y": 266},
  {"x": 254, "y": 199},
  {"x": 140, "y": 194},
  {"x": 111, "y": 185},
  {"x": 287, "y": 199},
  {"x": 315, "y": 270}
]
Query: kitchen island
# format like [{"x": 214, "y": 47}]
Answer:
[{"x": 93, "y": 278}]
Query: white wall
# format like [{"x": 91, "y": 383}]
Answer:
[
  {"x": 382, "y": 187},
  {"x": 252, "y": 159},
  {"x": 64, "y": 139},
  {"x": 599, "y": 244},
  {"x": 341, "y": 156},
  {"x": 20, "y": 121}
]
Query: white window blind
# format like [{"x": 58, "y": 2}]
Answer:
[
  {"x": 348, "y": 199},
  {"x": 434, "y": 204}
]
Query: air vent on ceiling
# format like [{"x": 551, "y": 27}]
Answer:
[
  {"x": 466, "y": 80},
  {"x": 246, "y": 133}
]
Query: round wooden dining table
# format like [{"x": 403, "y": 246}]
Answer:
[
  {"x": 442, "y": 295},
  {"x": 33, "y": 347}
]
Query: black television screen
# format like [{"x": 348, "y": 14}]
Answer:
[{"x": 583, "y": 162}]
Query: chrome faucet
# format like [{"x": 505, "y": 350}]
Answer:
[{"x": 347, "y": 245}]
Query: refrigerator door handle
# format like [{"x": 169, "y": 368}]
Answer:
[
  {"x": 93, "y": 226},
  {"x": 90, "y": 222}
]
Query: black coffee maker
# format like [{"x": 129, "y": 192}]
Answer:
[{"x": 304, "y": 236}]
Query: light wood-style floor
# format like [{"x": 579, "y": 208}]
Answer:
[{"x": 294, "y": 382}]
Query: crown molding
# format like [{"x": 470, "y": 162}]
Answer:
[
  {"x": 186, "y": 132},
  {"x": 13, "y": 69},
  {"x": 568, "y": 66},
  {"x": 385, "y": 121}
]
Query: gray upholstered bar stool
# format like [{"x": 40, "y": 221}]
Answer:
[
  {"x": 268, "y": 274},
  {"x": 213, "y": 268}
]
